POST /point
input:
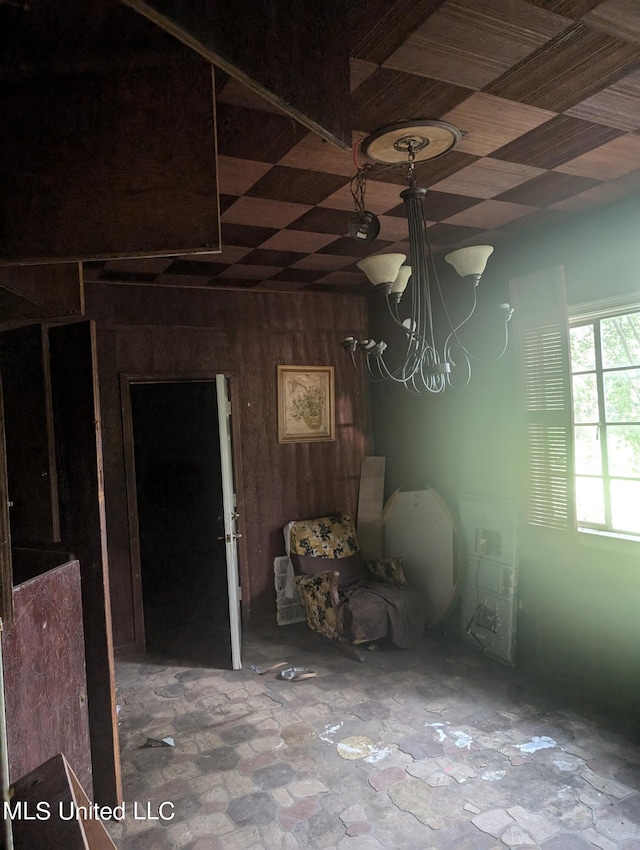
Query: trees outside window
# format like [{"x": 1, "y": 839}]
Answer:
[{"x": 605, "y": 385}]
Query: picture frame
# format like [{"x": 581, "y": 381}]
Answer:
[{"x": 306, "y": 404}]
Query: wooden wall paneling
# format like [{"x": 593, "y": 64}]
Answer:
[
  {"x": 6, "y": 565},
  {"x": 42, "y": 292},
  {"x": 137, "y": 601},
  {"x": 307, "y": 45},
  {"x": 112, "y": 164},
  {"x": 244, "y": 335},
  {"x": 44, "y": 667},
  {"x": 78, "y": 430},
  {"x": 120, "y": 577},
  {"x": 31, "y": 465}
]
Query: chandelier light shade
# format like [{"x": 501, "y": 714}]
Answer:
[
  {"x": 382, "y": 268},
  {"x": 471, "y": 260},
  {"x": 433, "y": 355}
]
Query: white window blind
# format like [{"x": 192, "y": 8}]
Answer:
[{"x": 543, "y": 348}]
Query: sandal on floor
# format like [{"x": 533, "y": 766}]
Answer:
[{"x": 296, "y": 674}]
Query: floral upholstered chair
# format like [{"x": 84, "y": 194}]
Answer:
[{"x": 345, "y": 598}]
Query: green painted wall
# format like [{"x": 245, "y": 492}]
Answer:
[{"x": 579, "y": 620}]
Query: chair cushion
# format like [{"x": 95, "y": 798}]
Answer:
[
  {"x": 328, "y": 536},
  {"x": 319, "y": 602},
  {"x": 351, "y": 569}
]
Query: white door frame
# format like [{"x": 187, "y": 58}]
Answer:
[{"x": 230, "y": 517}]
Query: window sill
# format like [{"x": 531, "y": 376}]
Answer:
[{"x": 608, "y": 540}]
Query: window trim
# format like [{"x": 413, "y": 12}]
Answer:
[{"x": 591, "y": 313}]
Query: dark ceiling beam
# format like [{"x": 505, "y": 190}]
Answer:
[{"x": 294, "y": 54}]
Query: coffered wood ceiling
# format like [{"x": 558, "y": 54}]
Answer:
[{"x": 545, "y": 92}]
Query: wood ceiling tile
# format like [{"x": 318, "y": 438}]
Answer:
[
  {"x": 320, "y": 220},
  {"x": 296, "y": 186},
  {"x": 247, "y": 272},
  {"x": 264, "y": 257},
  {"x": 255, "y": 134},
  {"x": 268, "y": 213},
  {"x": 327, "y": 262},
  {"x": 299, "y": 240},
  {"x": 442, "y": 234},
  {"x": 388, "y": 96},
  {"x": 439, "y": 205},
  {"x": 379, "y": 198},
  {"x": 571, "y": 67},
  {"x": 393, "y": 228},
  {"x": 426, "y": 173},
  {"x": 490, "y": 122},
  {"x": 603, "y": 193},
  {"x": 556, "y": 142},
  {"x": 236, "y": 93},
  {"x": 487, "y": 178},
  {"x": 182, "y": 266},
  {"x": 568, "y": 8},
  {"x": 540, "y": 218},
  {"x": 360, "y": 71},
  {"x": 490, "y": 214},
  {"x": 615, "y": 106},
  {"x": 124, "y": 276},
  {"x": 182, "y": 280},
  {"x": 398, "y": 248},
  {"x": 225, "y": 201},
  {"x": 298, "y": 275},
  {"x": 151, "y": 265},
  {"x": 245, "y": 235},
  {"x": 235, "y": 175},
  {"x": 471, "y": 42},
  {"x": 618, "y": 17},
  {"x": 547, "y": 189},
  {"x": 608, "y": 162},
  {"x": 378, "y": 27},
  {"x": 348, "y": 247},
  {"x": 315, "y": 152},
  {"x": 229, "y": 254}
]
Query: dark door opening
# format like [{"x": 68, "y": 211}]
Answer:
[{"x": 181, "y": 521}]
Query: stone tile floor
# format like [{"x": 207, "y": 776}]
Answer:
[{"x": 436, "y": 748}]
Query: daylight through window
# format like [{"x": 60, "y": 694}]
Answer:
[{"x": 605, "y": 369}]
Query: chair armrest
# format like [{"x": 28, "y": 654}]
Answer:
[
  {"x": 388, "y": 569},
  {"x": 319, "y": 596}
]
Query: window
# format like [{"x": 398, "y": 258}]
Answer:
[
  {"x": 605, "y": 369},
  {"x": 580, "y": 373}
]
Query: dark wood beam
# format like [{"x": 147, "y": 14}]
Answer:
[{"x": 294, "y": 54}]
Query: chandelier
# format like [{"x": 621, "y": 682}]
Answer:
[{"x": 433, "y": 356}]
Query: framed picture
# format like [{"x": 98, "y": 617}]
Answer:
[{"x": 306, "y": 404}]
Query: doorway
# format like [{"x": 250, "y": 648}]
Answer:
[{"x": 180, "y": 500}]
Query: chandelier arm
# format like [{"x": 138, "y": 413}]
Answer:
[
  {"x": 475, "y": 357},
  {"x": 465, "y": 383},
  {"x": 504, "y": 348},
  {"x": 366, "y": 377}
]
